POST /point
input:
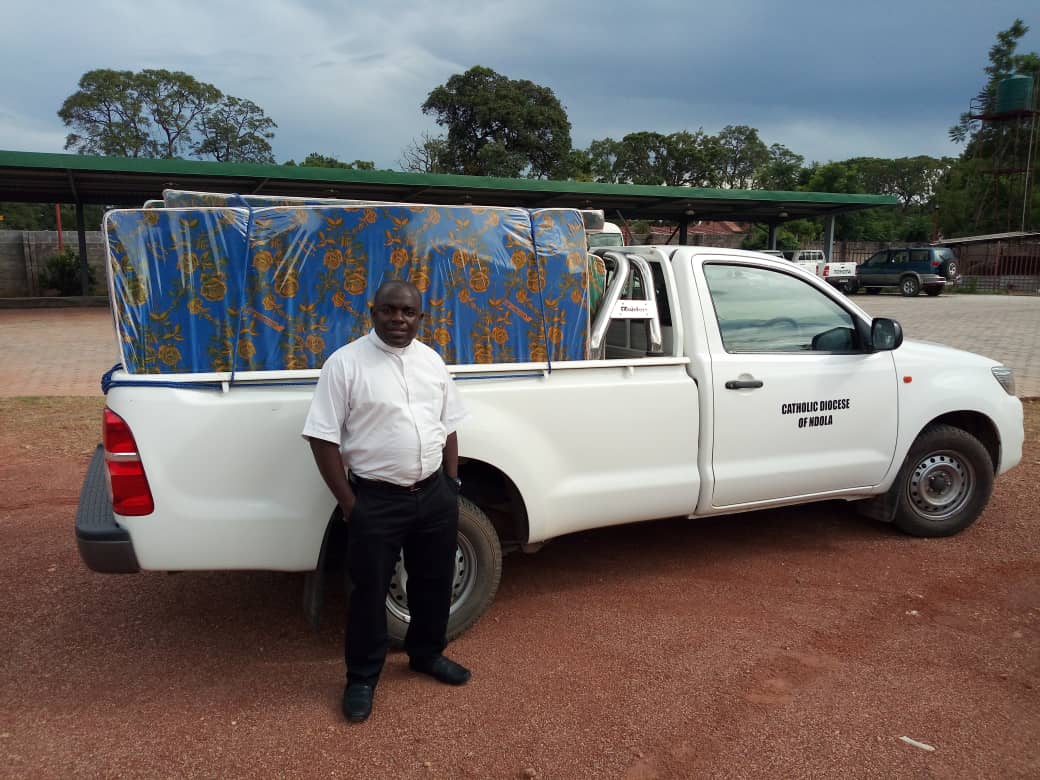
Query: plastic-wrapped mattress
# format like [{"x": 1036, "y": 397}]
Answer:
[{"x": 258, "y": 287}]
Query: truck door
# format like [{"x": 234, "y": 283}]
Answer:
[
  {"x": 800, "y": 407},
  {"x": 873, "y": 270}
]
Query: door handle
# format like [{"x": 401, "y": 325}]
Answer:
[{"x": 742, "y": 384}]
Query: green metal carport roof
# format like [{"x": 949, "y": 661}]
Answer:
[{"x": 118, "y": 181}]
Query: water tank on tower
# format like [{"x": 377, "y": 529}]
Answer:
[{"x": 1014, "y": 95}]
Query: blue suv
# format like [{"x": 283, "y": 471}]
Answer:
[{"x": 911, "y": 269}]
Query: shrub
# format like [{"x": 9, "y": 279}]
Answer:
[{"x": 61, "y": 272}]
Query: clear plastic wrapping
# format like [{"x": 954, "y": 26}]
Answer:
[{"x": 206, "y": 289}]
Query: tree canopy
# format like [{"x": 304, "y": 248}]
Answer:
[
  {"x": 315, "y": 160},
  {"x": 163, "y": 114},
  {"x": 497, "y": 126}
]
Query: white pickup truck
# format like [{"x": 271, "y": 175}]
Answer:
[
  {"x": 722, "y": 381},
  {"x": 840, "y": 274}
]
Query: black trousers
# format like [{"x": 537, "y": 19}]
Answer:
[{"x": 384, "y": 521}]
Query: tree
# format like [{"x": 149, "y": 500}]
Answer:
[
  {"x": 498, "y": 126},
  {"x": 912, "y": 179},
  {"x": 692, "y": 159},
  {"x": 236, "y": 130},
  {"x": 603, "y": 161},
  {"x": 783, "y": 169},
  {"x": 1003, "y": 62},
  {"x": 646, "y": 157},
  {"x": 642, "y": 158},
  {"x": 424, "y": 155},
  {"x": 164, "y": 114},
  {"x": 743, "y": 155},
  {"x": 989, "y": 189},
  {"x": 315, "y": 160},
  {"x": 40, "y": 216}
]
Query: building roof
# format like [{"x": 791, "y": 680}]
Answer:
[
  {"x": 1015, "y": 235},
  {"x": 117, "y": 181}
]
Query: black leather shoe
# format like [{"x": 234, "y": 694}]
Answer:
[
  {"x": 440, "y": 668},
  {"x": 357, "y": 702}
]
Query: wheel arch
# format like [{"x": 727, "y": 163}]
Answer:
[
  {"x": 883, "y": 506},
  {"x": 911, "y": 275},
  {"x": 978, "y": 425},
  {"x": 498, "y": 497}
]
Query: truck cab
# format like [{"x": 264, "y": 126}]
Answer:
[{"x": 609, "y": 235}]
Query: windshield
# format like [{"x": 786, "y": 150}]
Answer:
[{"x": 605, "y": 239}]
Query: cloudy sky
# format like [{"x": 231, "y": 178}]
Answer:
[{"x": 829, "y": 80}]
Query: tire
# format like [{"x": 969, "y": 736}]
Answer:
[
  {"x": 944, "y": 483},
  {"x": 933, "y": 291},
  {"x": 873, "y": 290},
  {"x": 478, "y": 570},
  {"x": 909, "y": 286},
  {"x": 850, "y": 287}
]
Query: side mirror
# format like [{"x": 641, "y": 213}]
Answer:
[{"x": 885, "y": 334}]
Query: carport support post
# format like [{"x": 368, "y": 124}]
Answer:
[
  {"x": 828, "y": 237},
  {"x": 81, "y": 231},
  {"x": 683, "y": 232},
  {"x": 771, "y": 243}
]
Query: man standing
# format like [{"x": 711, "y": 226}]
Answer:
[{"x": 386, "y": 409}]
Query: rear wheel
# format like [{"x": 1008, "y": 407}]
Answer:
[
  {"x": 909, "y": 286},
  {"x": 944, "y": 483},
  {"x": 850, "y": 287}
]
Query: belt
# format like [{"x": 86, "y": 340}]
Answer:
[{"x": 378, "y": 484}]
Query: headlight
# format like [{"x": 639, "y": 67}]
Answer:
[{"x": 1006, "y": 377}]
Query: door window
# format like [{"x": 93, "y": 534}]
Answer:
[
  {"x": 877, "y": 259},
  {"x": 760, "y": 310}
]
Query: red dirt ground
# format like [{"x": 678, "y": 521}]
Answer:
[{"x": 795, "y": 643}]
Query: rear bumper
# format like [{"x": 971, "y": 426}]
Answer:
[
  {"x": 103, "y": 545},
  {"x": 843, "y": 283}
]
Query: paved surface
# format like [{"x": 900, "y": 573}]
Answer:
[
  {"x": 1002, "y": 327},
  {"x": 55, "y": 351},
  {"x": 65, "y": 351}
]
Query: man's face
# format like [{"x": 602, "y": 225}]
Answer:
[{"x": 396, "y": 315}]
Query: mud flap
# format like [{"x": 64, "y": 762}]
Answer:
[
  {"x": 881, "y": 508},
  {"x": 314, "y": 585}
]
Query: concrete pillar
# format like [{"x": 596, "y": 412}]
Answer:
[{"x": 828, "y": 237}]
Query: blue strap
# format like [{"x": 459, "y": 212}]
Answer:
[
  {"x": 538, "y": 278},
  {"x": 106, "y": 378},
  {"x": 245, "y": 272}
]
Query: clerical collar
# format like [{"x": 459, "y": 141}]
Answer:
[{"x": 386, "y": 347}]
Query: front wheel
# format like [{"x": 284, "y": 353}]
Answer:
[
  {"x": 944, "y": 483},
  {"x": 478, "y": 570},
  {"x": 909, "y": 286}
]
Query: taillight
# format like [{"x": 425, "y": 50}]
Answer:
[
  {"x": 130, "y": 492},
  {"x": 936, "y": 263},
  {"x": 826, "y": 270}
]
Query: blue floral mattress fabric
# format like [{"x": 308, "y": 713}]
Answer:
[{"x": 225, "y": 288}]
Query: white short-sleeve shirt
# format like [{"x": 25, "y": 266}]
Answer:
[{"x": 390, "y": 409}]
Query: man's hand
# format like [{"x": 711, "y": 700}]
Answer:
[{"x": 330, "y": 465}]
